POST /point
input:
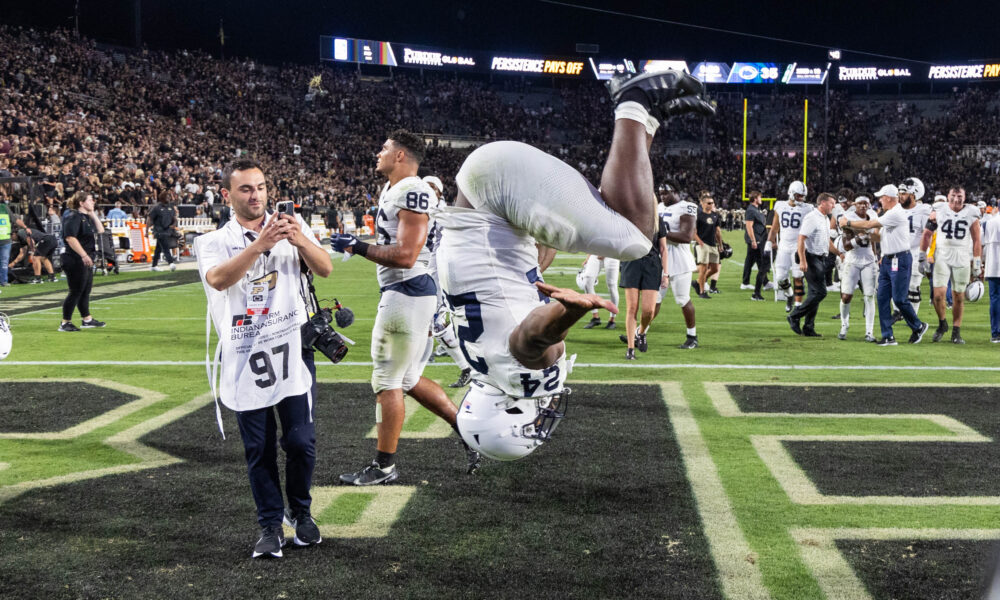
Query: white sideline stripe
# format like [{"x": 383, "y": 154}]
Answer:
[
  {"x": 97, "y": 299},
  {"x": 730, "y": 550},
  {"x": 323, "y": 363},
  {"x": 836, "y": 577}
]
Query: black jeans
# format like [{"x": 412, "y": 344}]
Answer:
[
  {"x": 816, "y": 277},
  {"x": 756, "y": 256},
  {"x": 80, "y": 278}
]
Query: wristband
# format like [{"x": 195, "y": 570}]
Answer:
[
  {"x": 665, "y": 274},
  {"x": 361, "y": 248}
]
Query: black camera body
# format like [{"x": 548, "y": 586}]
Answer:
[{"x": 317, "y": 333}]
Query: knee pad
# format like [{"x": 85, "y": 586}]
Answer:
[
  {"x": 784, "y": 285},
  {"x": 796, "y": 272},
  {"x": 914, "y": 295},
  {"x": 800, "y": 290}
]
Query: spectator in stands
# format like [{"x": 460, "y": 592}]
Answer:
[
  {"x": 116, "y": 213},
  {"x": 162, "y": 219},
  {"x": 80, "y": 230}
]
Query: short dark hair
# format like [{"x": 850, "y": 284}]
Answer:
[
  {"x": 823, "y": 196},
  {"x": 410, "y": 142},
  {"x": 164, "y": 197},
  {"x": 240, "y": 164},
  {"x": 956, "y": 188},
  {"x": 754, "y": 194}
]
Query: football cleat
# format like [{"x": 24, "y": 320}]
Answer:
[
  {"x": 473, "y": 459},
  {"x": 463, "y": 379},
  {"x": 630, "y": 354},
  {"x": 640, "y": 342},
  {"x": 371, "y": 475},
  {"x": 870, "y": 338},
  {"x": 659, "y": 87},
  {"x": 690, "y": 343},
  {"x": 939, "y": 332},
  {"x": 956, "y": 337},
  {"x": 611, "y": 325},
  {"x": 842, "y": 335},
  {"x": 594, "y": 322}
]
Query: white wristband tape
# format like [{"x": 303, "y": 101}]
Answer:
[{"x": 632, "y": 110}]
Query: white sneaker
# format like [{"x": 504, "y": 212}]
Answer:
[
  {"x": 173, "y": 266},
  {"x": 157, "y": 269},
  {"x": 833, "y": 287},
  {"x": 769, "y": 285},
  {"x": 746, "y": 286}
]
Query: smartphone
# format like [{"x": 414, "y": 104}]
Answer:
[{"x": 287, "y": 207}]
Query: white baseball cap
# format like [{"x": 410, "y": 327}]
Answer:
[
  {"x": 888, "y": 190},
  {"x": 940, "y": 198}
]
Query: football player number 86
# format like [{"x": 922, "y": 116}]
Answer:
[{"x": 414, "y": 200}]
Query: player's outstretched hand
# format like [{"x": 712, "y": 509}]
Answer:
[
  {"x": 343, "y": 242},
  {"x": 575, "y": 300}
]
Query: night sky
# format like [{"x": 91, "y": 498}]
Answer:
[{"x": 275, "y": 31}]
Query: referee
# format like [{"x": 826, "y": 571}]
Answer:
[
  {"x": 647, "y": 274},
  {"x": 814, "y": 247}
]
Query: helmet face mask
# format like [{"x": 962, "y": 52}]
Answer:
[
  {"x": 974, "y": 291},
  {"x": 914, "y": 186},
  {"x": 797, "y": 188},
  {"x": 505, "y": 428}
]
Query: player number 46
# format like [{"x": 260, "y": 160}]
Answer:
[
  {"x": 260, "y": 364},
  {"x": 415, "y": 200}
]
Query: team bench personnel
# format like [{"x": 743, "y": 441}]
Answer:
[{"x": 254, "y": 282}]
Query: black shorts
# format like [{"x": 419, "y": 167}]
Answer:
[
  {"x": 46, "y": 247},
  {"x": 643, "y": 274}
]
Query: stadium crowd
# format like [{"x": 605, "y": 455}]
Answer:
[{"x": 127, "y": 125}]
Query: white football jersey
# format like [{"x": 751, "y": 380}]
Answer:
[
  {"x": 487, "y": 269},
  {"x": 410, "y": 194},
  {"x": 953, "y": 227},
  {"x": 859, "y": 254},
  {"x": 790, "y": 220},
  {"x": 679, "y": 259},
  {"x": 918, "y": 219}
]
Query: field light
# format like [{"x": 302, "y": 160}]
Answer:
[{"x": 833, "y": 54}]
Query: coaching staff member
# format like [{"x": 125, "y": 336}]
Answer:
[
  {"x": 250, "y": 269},
  {"x": 163, "y": 219},
  {"x": 755, "y": 236},
  {"x": 894, "y": 267},
  {"x": 642, "y": 280},
  {"x": 80, "y": 228},
  {"x": 814, "y": 247}
]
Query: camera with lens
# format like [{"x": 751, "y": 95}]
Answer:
[{"x": 317, "y": 333}]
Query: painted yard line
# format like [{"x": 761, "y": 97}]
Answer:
[
  {"x": 125, "y": 441},
  {"x": 796, "y": 483},
  {"x": 801, "y": 490},
  {"x": 731, "y": 552},
  {"x": 714, "y": 367},
  {"x": 375, "y": 520},
  {"x": 836, "y": 577},
  {"x": 437, "y": 429},
  {"x": 145, "y": 398}
]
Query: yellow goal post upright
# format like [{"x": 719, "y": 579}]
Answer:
[{"x": 805, "y": 154}]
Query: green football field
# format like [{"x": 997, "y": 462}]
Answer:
[{"x": 760, "y": 465}]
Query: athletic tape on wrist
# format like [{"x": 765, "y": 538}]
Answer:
[{"x": 361, "y": 248}]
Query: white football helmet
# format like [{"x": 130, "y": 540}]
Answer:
[
  {"x": 914, "y": 186},
  {"x": 797, "y": 188},
  {"x": 974, "y": 291},
  {"x": 6, "y": 339},
  {"x": 579, "y": 280},
  {"x": 506, "y": 428}
]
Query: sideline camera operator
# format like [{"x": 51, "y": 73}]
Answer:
[{"x": 257, "y": 294}]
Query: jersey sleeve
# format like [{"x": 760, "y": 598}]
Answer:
[
  {"x": 691, "y": 209},
  {"x": 210, "y": 250},
  {"x": 412, "y": 194}
]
